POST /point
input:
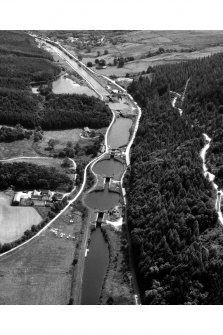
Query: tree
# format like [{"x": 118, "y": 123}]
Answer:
[
  {"x": 89, "y": 64},
  {"x": 69, "y": 144},
  {"x": 51, "y": 143},
  {"x": 88, "y": 49},
  {"x": 161, "y": 50},
  {"x": 121, "y": 62},
  {"x": 102, "y": 62},
  {"x": 80, "y": 57},
  {"x": 66, "y": 162}
]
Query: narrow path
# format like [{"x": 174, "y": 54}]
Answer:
[
  {"x": 211, "y": 177},
  {"x": 179, "y": 96}
]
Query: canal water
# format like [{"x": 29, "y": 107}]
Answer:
[
  {"x": 109, "y": 167},
  {"x": 102, "y": 200},
  {"x": 65, "y": 85},
  {"x": 119, "y": 133},
  {"x": 98, "y": 257},
  {"x": 95, "y": 268}
]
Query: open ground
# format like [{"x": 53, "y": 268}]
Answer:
[
  {"x": 139, "y": 43},
  {"x": 14, "y": 221},
  {"x": 41, "y": 271}
]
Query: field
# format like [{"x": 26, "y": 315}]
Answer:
[
  {"x": 41, "y": 271},
  {"x": 61, "y": 137},
  {"x": 14, "y": 221},
  {"x": 139, "y": 43},
  {"x": 16, "y": 149},
  {"x": 25, "y": 147}
]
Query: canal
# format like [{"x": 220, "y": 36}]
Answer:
[
  {"x": 119, "y": 133},
  {"x": 97, "y": 262},
  {"x": 109, "y": 167},
  {"x": 95, "y": 268}
]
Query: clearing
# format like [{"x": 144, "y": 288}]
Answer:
[
  {"x": 17, "y": 149},
  {"x": 41, "y": 271},
  {"x": 14, "y": 221}
]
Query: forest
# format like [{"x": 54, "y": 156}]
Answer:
[
  {"x": 66, "y": 111},
  {"x": 176, "y": 237},
  {"x": 57, "y": 112},
  {"x": 22, "y": 62},
  {"x": 8, "y": 134},
  {"x": 28, "y": 176}
]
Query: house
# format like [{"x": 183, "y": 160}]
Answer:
[
  {"x": 115, "y": 91},
  {"x": 36, "y": 195},
  {"x": 86, "y": 130},
  {"x": 45, "y": 195},
  {"x": 26, "y": 202},
  {"x": 16, "y": 199},
  {"x": 113, "y": 98},
  {"x": 58, "y": 196}
]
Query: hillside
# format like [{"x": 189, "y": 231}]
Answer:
[
  {"x": 177, "y": 239},
  {"x": 139, "y": 49},
  {"x": 22, "y": 62}
]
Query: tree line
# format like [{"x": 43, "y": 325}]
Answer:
[
  {"x": 8, "y": 134},
  {"x": 170, "y": 209},
  {"x": 28, "y": 176}
]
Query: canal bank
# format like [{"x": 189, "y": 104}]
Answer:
[{"x": 114, "y": 269}]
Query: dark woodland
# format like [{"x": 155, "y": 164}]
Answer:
[{"x": 177, "y": 241}]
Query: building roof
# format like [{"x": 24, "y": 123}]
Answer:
[
  {"x": 44, "y": 192},
  {"x": 17, "y": 197},
  {"x": 35, "y": 192}
]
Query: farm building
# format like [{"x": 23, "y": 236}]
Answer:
[
  {"x": 58, "y": 196},
  {"x": 115, "y": 91},
  {"x": 88, "y": 132},
  {"x": 17, "y": 198},
  {"x": 26, "y": 202},
  {"x": 46, "y": 195},
  {"x": 35, "y": 198}
]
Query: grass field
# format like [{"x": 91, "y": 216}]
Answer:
[
  {"x": 143, "y": 64},
  {"x": 16, "y": 149},
  {"x": 61, "y": 137},
  {"x": 139, "y": 43},
  {"x": 136, "y": 43},
  {"x": 14, "y": 221},
  {"x": 41, "y": 272},
  {"x": 25, "y": 147}
]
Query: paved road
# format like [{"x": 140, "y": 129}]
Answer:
[{"x": 81, "y": 71}]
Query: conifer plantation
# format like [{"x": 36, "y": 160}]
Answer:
[{"x": 177, "y": 239}]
